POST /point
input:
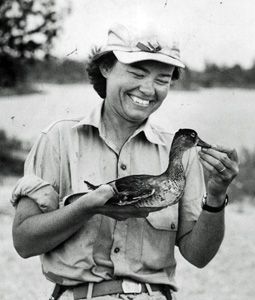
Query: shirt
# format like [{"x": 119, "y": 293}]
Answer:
[{"x": 71, "y": 151}]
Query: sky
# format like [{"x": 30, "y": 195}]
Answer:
[{"x": 218, "y": 31}]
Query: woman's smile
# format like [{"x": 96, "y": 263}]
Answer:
[{"x": 140, "y": 101}]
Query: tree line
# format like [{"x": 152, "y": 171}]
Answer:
[
  {"x": 223, "y": 76},
  {"x": 55, "y": 70}
]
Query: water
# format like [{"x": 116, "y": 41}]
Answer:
[{"x": 221, "y": 116}]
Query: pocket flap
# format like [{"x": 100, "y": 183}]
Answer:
[{"x": 165, "y": 219}]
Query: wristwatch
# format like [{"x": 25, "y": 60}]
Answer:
[{"x": 214, "y": 209}]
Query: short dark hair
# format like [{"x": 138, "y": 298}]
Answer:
[
  {"x": 109, "y": 59},
  {"x": 95, "y": 76}
]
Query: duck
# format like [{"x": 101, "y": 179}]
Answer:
[{"x": 161, "y": 190}]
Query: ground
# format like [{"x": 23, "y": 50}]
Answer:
[{"x": 230, "y": 276}]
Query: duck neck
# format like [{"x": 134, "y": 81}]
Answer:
[{"x": 175, "y": 166}]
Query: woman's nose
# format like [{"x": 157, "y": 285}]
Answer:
[{"x": 147, "y": 88}]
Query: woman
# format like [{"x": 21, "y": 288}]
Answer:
[{"x": 93, "y": 250}]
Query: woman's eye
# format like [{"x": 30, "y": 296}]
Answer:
[
  {"x": 137, "y": 75},
  {"x": 163, "y": 82}
]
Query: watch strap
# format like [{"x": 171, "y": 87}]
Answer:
[{"x": 214, "y": 209}]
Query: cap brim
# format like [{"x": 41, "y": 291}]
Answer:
[{"x": 132, "y": 57}]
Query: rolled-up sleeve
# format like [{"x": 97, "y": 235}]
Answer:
[
  {"x": 38, "y": 190},
  {"x": 41, "y": 176}
]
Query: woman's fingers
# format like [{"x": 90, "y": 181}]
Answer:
[
  {"x": 231, "y": 152},
  {"x": 220, "y": 161},
  {"x": 214, "y": 162},
  {"x": 209, "y": 167},
  {"x": 217, "y": 157}
]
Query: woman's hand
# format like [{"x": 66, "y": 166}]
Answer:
[{"x": 221, "y": 164}]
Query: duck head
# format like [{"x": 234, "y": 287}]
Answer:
[{"x": 187, "y": 138}]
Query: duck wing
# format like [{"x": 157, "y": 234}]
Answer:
[
  {"x": 132, "y": 183},
  {"x": 131, "y": 189}
]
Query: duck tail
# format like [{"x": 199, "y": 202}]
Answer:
[{"x": 90, "y": 185}]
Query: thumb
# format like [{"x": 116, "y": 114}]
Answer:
[{"x": 104, "y": 192}]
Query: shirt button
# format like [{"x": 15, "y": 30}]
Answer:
[
  {"x": 116, "y": 250},
  {"x": 172, "y": 226},
  {"x": 123, "y": 167}
]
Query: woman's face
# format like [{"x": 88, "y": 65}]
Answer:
[{"x": 135, "y": 91}]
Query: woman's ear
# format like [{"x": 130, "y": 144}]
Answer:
[{"x": 105, "y": 69}]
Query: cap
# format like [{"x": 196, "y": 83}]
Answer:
[{"x": 130, "y": 46}]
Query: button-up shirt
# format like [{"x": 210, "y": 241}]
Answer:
[{"x": 71, "y": 151}]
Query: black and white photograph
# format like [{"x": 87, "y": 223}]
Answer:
[{"x": 127, "y": 149}]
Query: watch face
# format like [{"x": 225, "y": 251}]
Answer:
[{"x": 204, "y": 199}]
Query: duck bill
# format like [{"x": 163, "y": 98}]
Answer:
[{"x": 202, "y": 144}]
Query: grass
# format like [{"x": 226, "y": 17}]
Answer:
[{"x": 230, "y": 276}]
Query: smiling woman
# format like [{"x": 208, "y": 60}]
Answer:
[
  {"x": 138, "y": 78},
  {"x": 117, "y": 139}
]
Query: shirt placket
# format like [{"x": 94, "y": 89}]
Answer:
[
  {"x": 118, "y": 250},
  {"x": 123, "y": 168},
  {"x": 119, "y": 246}
]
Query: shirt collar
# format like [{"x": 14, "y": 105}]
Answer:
[
  {"x": 93, "y": 118},
  {"x": 151, "y": 131}
]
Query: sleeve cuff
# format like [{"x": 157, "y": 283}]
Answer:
[{"x": 40, "y": 191}]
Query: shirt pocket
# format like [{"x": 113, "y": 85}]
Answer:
[
  {"x": 165, "y": 219},
  {"x": 159, "y": 238}
]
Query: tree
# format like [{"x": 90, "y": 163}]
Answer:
[{"x": 27, "y": 29}]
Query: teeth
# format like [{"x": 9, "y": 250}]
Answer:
[{"x": 140, "y": 101}]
